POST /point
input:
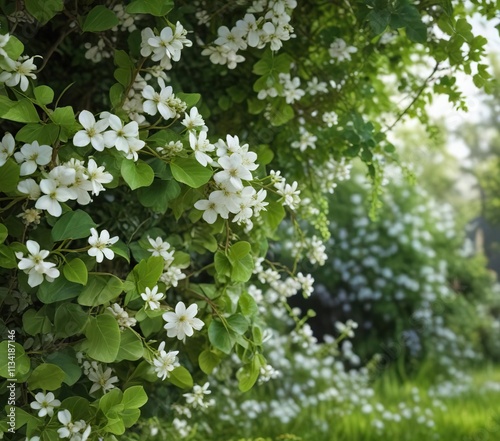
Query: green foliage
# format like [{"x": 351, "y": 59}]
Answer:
[{"x": 121, "y": 117}]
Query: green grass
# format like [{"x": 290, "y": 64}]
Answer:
[{"x": 470, "y": 416}]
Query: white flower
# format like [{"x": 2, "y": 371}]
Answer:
[
  {"x": 172, "y": 275},
  {"x": 18, "y": 73},
  {"x": 34, "y": 264},
  {"x": 101, "y": 379},
  {"x": 340, "y": 51},
  {"x": 182, "y": 322},
  {"x": 97, "y": 176},
  {"x": 122, "y": 317},
  {"x": 99, "y": 245},
  {"x": 196, "y": 399},
  {"x": 249, "y": 28},
  {"x": 194, "y": 120},
  {"x": 167, "y": 45},
  {"x": 231, "y": 39},
  {"x": 29, "y": 187},
  {"x": 211, "y": 208},
  {"x": 146, "y": 48},
  {"x": 45, "y": 404},
  {"x": 69, "y": 428},
  {"x": 201, "y": 145},
  {"x": 152, "y": 297},
  {"x": 233, "y": 171},
  {"x": 160, "y": 248},
  {"x": 56, "y": 190},
  {"x": 92, "y": 133},
  {"x": 6, "y": 148},
  {"x": 122, "y": 136},
  {"x": 159, "y": 102},
  {"x": 165, "y": 362},
  {"x": 32, "y": 155}
]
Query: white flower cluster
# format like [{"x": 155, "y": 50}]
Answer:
[
  {"x": 340, "y": 51},
  {"x": 180, "y": 323},
  {"x": 121, "y": 316},
  {"x": 279, "y": 289},
  {"x": 68, "y": 181},
  {"x": 307, "y": 140},
  {"x": 74, "y": 431},
  {"x": 172, "y": 274},
  {"x": 271, "y": 28},
  {"x": 164, "y": 47},
  {"x": 100, "y": 50},
  {"x": 123, "y": 137},
  {"x": 332, "y": 172},
  {"x": 231, "y": 195},
  {"x": 289, "y": 193},
  {"x": 35, "y": 266},
  {"x": 101, "y": 379},
  {"x": 16, "y": 72},
  {"x": 165, "y": 362},
  {"x": 314, "y": 249}
]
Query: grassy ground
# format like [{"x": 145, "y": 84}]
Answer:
[{"x": 470, "y": 416}]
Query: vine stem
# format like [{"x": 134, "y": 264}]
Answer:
[
  {"x": 53, "y": 48},
  {"x": 414, "y": 100}
]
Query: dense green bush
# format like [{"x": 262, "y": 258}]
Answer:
[{"x": 141, "y": 190}]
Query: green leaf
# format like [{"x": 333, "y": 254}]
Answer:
[
  {"x": 65, "y": 117},
  {"x": 59, "y": 289},
  {"x": 134, "y": 397},
  {"x": 70, "y": 319},
  {"x": 103, "y": 335},
  {"x": 273, "y": 216},
  {"x": 247, "y": 304},
  {"x": 44, "y": 10},
  {"x": 222, "y": 264},
  {"x": 149, "y": 271},
  {"x": 22, "y": 111},
  {"x": 9, "y": 176},
  {"x": 137, "y": 174},
  {"x": 14, "y": 48},
  {"x": 3, "y": 233},
  {"x": 109, "y": 400},
  {"x": 208, "y": 361},
  {"x": 280, "y": 112},
  {"x": 181, "y": 377},
  {"x": 78, "y": 407},
  {"x": 241, "y": 261},
  {"x": 379, "y": 20},
  {"x": 238, "y": 323},
  {"x": 73, "y": 225},
  {"x": 219, "y": 336},
  {"x": 36, "y": 322},
  {"x": 190, "y": 172},
  {"x": 7, "y": 257},
  {"x": 158, "y": 194},
  {"x": 157, "y": 8},
  {"x": 121, "y": 249},
  {"x": 116, "y": 94},
  {"x": 123, "y": 76},
  {"x": 68, "y": 363},
  {"x": 130, "y": 346},
  {"x": 248, "y": 374},
  {"x": 100, "y": 290},
  {"x": 14, "y": 354},
  {"x": 43, "y": 133},
  {"x": 44, "y": 94},
  {"x": 76, "y": 271},
  {"x": 191, "y": 99},
  {"x": 47, "y": 377},
  {"x": 100, "y": 19}
]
